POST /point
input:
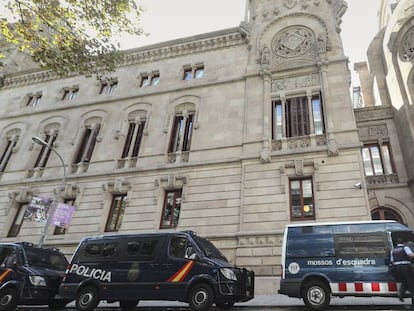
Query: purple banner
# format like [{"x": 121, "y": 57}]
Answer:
[{"x": 63, "y": 215}]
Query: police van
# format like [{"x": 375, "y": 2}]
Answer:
[
  {"x": 30, "y": 275},
  {"x": 339, "y": 259},
  {"x": 176, "y": 266}
]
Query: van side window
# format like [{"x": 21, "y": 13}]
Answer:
[
  {"x": 177, "y": 248},
  {"x": 100, "y": 249},
  {"x": 93, "y": 249},
  {"x": 143, "y": 249},
  {"x": 134, "y": 247},
  {"x": 109, "y": 249},
  {"x": 310, "y": 245},
  {"x": 358, "y": 245},
  {"x": 6, "y": 252}
]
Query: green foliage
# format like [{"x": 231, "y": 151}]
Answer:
[{"x": 70, "y": 36}]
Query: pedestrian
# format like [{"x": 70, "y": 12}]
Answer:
[{"x": 401, "y": 269}]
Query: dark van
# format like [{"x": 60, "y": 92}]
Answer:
[
  {"x": 179, "y": 266},
  {"x": 30, "y": 275},
  {"x": 339, "y": 259}
]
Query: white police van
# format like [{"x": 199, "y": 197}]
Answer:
[{"x": 339, "y": 259}]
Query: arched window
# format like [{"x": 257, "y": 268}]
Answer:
[{"x": 383, "y": 213}]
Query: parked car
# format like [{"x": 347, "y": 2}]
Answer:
[
  {"x": 30, "y": 275},
  {"x": 178, "y": 266}
]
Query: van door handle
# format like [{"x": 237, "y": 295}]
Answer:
[
  {"x": 167, "y": 265},
  {"x": 154, "y": 265}
]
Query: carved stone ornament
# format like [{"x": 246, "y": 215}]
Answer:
[
  {"x": 293, "y": 41},
  {"x": 407, "y": 46},
  {"x": 290, "y": 4}
]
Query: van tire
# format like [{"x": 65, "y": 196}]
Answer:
[
  {"x": 316, "y": 295},
  {"x": 201, "y": 297},
  {"x": 87, "y": 299},
  {"x": 8, "y": 299},
  {"x": 128, "y": 304}
]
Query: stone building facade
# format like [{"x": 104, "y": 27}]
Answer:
[
  {"x": 232, "y": 134},
  {"x": 386, "y": 118}
]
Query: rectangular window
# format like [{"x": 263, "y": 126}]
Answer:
[
  {"x": 318, "y": 122},
  {"x": 87, "y": 145},
  {"x": 44, "y": 153},
  {"x": 188, "y": 74},
  {"x": 108, "y": 86},
  {"x": 181, "y": 134},
  {"x": 301, "y": 199},
  {"x": 145, "y": 81},
  {"x": 17, "y": 221},
  {"x": 70, "y": 94},
  {"x": 199, "y": 72},
  {"x": 293, "y": 117},
  {"x": 297, "y": 117},
  {"x": 6, "y": 155},
  {"x": 116, "y": 213},
  {"x": 377, "y": 159},
  {"x": 34, "y": 100},
  {"x": 133, "y": 139},
  {"x": 171, "y": 209},
  {"x": 155, "y": 79}
]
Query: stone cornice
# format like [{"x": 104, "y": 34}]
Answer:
[
  {"x": 195, "y": 44},
  {"x": 373, "y": 113}
]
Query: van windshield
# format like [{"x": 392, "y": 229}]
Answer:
[
  {"x": 41, "y": 258},
  {"x": 209, "y": 249}
]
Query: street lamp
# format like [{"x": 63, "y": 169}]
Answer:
[{"x": 54, "y": 204}]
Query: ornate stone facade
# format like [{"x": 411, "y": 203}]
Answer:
[{"x": 246, "y": 146}]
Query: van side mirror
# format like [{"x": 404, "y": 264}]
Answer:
[{"x": 190, "y": 253}]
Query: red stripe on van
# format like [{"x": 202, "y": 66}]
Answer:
[
  {"x": 375, "y": 287},
  {"x": 342, "y": 287},
  {"x": 359, "y": 287},
  {"x": 392, "y": 287}
]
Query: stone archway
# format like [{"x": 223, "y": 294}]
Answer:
[{"x": 385, "y": 213}]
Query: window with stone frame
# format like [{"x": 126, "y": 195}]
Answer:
[
  {"x": 108, "y": 86},
  {"x": 298, "y": 116},
  {"x": 149, "y": 79},
  {"x": 11, "y": 142},
  {"x": 181, "y": 134},
  {"x": 17, "y": 221},
  {"x": 301, "y": 199},
  {"x": 70, "y": 93},
  {"x": 133, "y": 139},
  {"x": 193, "y": 71},
  {"x": 44, "y": 152},
  {"x": 62, "y": 230},
  {"x": 171, "y": 209},
  {"x": 33, "y": 100},
  {"x": 377, "y": 159},
  {"x": 116, "y": 213},
  {"x": 87, "y": 145}
]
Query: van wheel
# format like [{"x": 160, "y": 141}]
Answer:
[
  {"x": 87, "y": 299},
  {"x": 316, "y": 295},
  {"x": 201, "y": 297},
  {"x": 225, "y": 305},
  {"x": 128, "y": 304},
  {"x": 8, "y": 299}
]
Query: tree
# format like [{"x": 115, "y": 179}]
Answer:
[{"x": 70, "y": 36}]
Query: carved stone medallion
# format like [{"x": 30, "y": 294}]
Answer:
[{"x": 293, "y": 41}]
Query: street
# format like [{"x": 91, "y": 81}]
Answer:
[{"x": 235, "y": 308}]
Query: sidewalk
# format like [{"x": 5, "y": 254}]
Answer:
[{"x": 279, "y": 301}]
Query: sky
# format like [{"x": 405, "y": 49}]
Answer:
[{"x": 167, "y": 20}]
